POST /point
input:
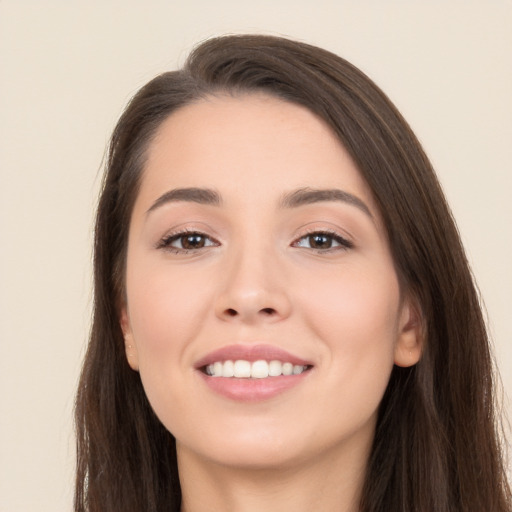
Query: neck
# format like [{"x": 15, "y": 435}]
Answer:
[{"x": 329, "y": 483}]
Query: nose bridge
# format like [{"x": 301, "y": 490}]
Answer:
[{"x": 253, "y": 285}]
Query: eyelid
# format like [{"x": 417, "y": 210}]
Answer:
[
  {"x": 165, "y": 241},
  {"x": 344, "y": 241}
]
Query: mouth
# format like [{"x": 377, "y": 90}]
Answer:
[
  {"x": 252, "y": 373},
  {"x": 259, "y": 369}
]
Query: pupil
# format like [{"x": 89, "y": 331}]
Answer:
[
  {"x": 320, "y": 241},
  {"x": 192, "y": 242}
]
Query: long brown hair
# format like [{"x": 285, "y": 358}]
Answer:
[{"x": 436, "y": 445}]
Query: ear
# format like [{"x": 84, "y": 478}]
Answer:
[
  {"x": 129, "y": 345},
  {"x": 409, "y": 346}
]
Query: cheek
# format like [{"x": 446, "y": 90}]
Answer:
[
  {"x": 165, "y": 312},
  {"x": 356, "y": 314},
  {"x": 356, "y": 321}
]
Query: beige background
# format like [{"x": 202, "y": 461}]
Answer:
[{"x": 66, "y": 71}]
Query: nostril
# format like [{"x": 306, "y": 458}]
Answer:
[{"x": 234, "y": 313}]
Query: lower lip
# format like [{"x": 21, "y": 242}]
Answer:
[{"x": 252, "y": 390}]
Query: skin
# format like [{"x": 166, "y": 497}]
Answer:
[{"x": 259, "y": 280}]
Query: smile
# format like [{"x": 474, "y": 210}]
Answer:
[
  {"x": 252, "y": 373},
  {"x": 259, "y": 369}
]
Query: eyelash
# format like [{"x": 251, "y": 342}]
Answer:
[
  {"x": 167, "y": 241},
  {"x": 344, "y": 244}
]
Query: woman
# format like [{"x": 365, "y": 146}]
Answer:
[{"x": 284, "y": 314}]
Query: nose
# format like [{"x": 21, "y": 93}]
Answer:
[{"x": 253, "y": 289}]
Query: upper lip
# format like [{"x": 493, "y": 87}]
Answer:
[{"x": 250, "y": 353}]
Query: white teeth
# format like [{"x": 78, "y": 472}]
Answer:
[
  {"x": 275, "y": 368},
  {"x": 256, "y": 370},
  {"x": 259, "y": 369},
  {"x": 242, "y": 369},
  {"x": 287, "y": 368},
  {"x": 217, "y": 369},
  {"x": 228, "y": 369},
  {"x": 298, "y": 369}
]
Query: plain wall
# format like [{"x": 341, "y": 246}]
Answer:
[{"x": 66, "y": 71}]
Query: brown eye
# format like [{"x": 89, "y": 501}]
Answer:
[
  {"x": 192, "y": 241},
  {"x": 320, "y": 241},
  {"x": 185, "y": 242}
]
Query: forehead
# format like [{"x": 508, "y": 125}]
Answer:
[{"x": 248, "y": 144}]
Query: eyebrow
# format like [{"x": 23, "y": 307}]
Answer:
[
  {"x": 295, "y": 199},
  {"x": 190, "y": 194},
  {"x": 305, "y": 196}
]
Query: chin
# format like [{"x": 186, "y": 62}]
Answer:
[
  {"x": 251, "y": 447},
  {"x": 256, "y": 455}
]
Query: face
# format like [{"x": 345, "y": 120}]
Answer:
[{"x": 263, "y": 310}]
